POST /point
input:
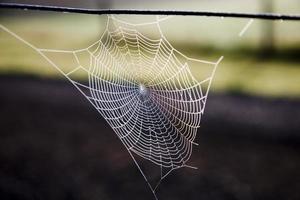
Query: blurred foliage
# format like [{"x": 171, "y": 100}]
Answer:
[{"x": 245, "y": 68}]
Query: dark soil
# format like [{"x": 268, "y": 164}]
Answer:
[{"x": 54, "y": 145}]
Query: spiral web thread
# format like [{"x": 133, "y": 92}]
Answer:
[{"x": 145, "y": 90}]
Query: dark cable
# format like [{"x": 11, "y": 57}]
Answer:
[{"x": 267, "y": 16}]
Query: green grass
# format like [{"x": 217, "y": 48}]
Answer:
[{"x": 243, "y": 70}]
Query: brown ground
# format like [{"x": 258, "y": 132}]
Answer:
[{"x": 54, "y": 145}]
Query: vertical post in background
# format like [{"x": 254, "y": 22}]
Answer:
[{"x": 267, "y": 29}]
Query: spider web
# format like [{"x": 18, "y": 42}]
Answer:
[{"x": 143, "y": 87}]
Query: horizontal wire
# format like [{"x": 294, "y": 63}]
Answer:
[{"x": 266, "y": 16}]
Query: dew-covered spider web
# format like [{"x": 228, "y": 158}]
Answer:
[{"x": 143, "y": 87}]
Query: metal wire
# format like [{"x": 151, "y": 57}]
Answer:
[{"x": 266, "y": 16}]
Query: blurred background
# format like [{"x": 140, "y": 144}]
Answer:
[{"x": 54, "y": 145}]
